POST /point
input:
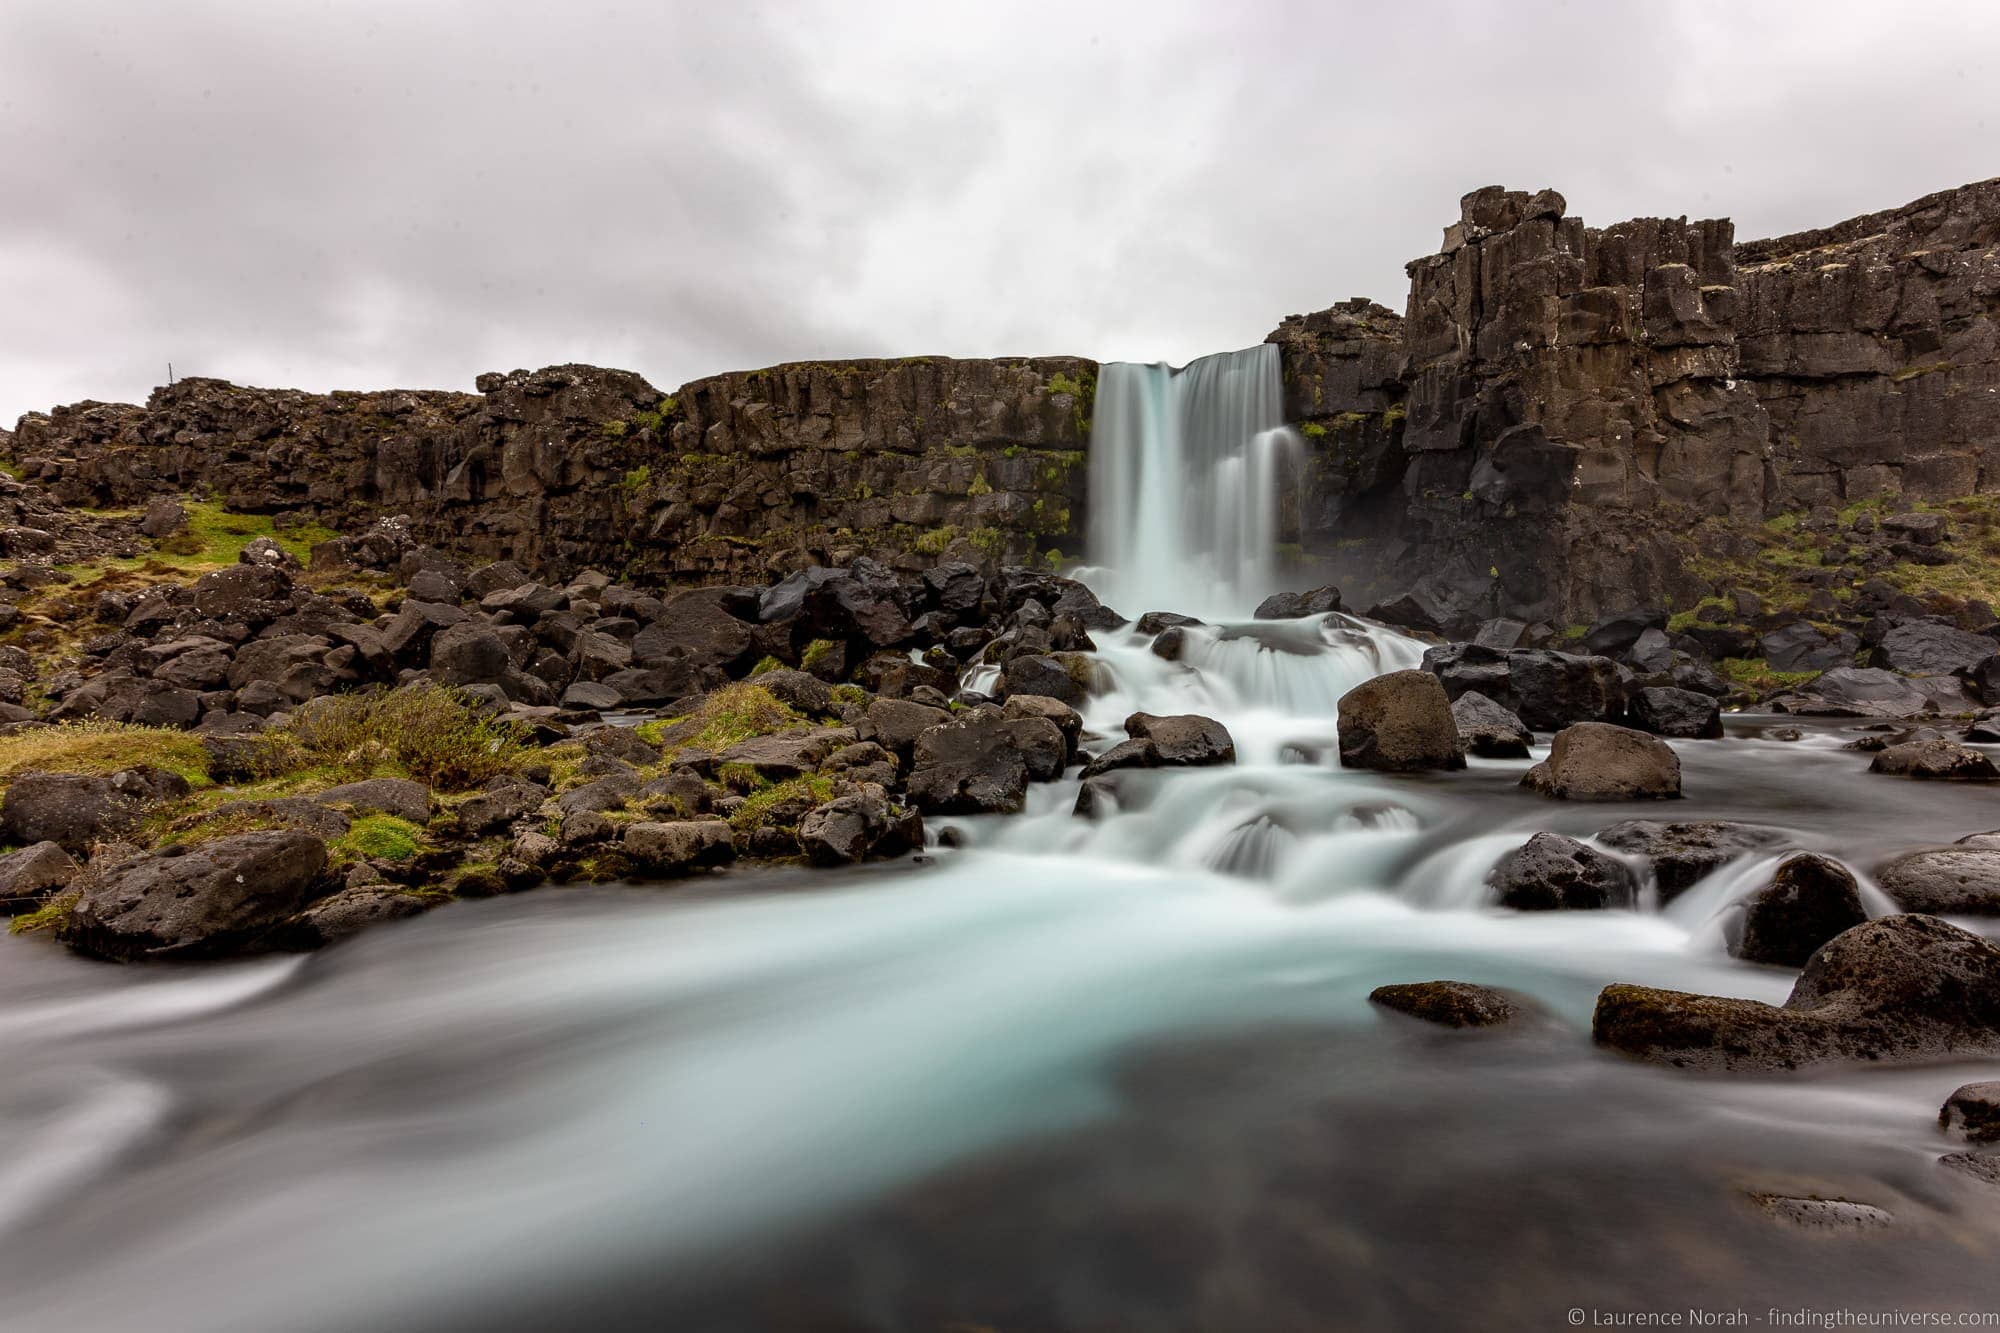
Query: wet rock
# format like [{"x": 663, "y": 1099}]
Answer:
[
  {"x": 1929, "y": 648},
  {"x": 680, "y": 846},
  {"x": 1962, "y": 880},
  {"x": 1665, "y": 711},
  {"x": 1295, "y": 605},
  {"x": 74, "y": 810},
  {"x": 972, "y": 765},
  {"x": 1064, "y": 718},
  {"x": 1038, "y": 674},
  {"x": 1872, "y": 692},
  {"x": 29, "y": 874},
  {"x": 1973, "y": 1113},
  {"x": 858, "y": 826},
  {"x": 1398, "y": 723},
  {"x": 1596, "y": 761},
  {"x": 1183, "y": 739},
  {"x": 1935, "y": 760},
  {"x": 1894, "y": 990},
  {"x": 1488, "y": 730},
  {"x": 1170, "y": 643},
  {"x": 1459, "y": 1004},
  {"x": 1154, "y": 621},
  {"x": 1810, "y": 900},
  {"x": 1553, "y": 873},
  {"x": 347, "y": 913},
  {"x": 1682, "y": 852},
  {"x": 222, "y": 897}
]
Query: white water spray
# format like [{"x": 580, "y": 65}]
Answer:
[{"x": 1186, "y": 474}]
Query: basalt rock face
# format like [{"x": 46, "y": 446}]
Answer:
[
  {"x": 1569, "y": 402},
  {"x": 743, "y": 475}
]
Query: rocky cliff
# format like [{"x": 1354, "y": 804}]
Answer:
[
  {"x": 740, "y": 475},
  {"x": 1564, "y": 413},
  {"x": 1563, "y": 422}
]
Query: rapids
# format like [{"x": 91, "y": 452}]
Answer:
[{"x": 1065, "y": 1073}]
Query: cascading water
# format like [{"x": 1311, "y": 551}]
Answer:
[
  {"x": 619, "y": 1090},
  {"x": 1186, "y": 473}
]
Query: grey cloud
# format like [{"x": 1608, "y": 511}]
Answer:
[{"x": 366, "y": 194}]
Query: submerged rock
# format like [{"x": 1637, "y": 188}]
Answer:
[
  {"x": 218, "y": 898},
  {"x": 1487, "y": 730},
  {"x": 1459, "y": 1004},
  {"x": 1553, "y": 873},
  {"x": 1894, "y": 990},
  {"x": 1682, "y": 852},
  {"x": 1398, "y": 723},
  {"x": 1810, "y": 900},
  {"x": 1811, "y": 1214},
  {"x": 1596, "y": 761}
]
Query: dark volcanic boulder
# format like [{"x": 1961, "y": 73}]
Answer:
[
  {"x": 1595, "y": 761},
  {"x": 1547, "y": 689},
  {"x": 1553, "y": 873},
  {"x": 1488, "y": 730},
  {"x": 1293, "y": 605},
  {"x": 1617, "y": 632},
  {"x": 973, "y": 765},
  {"x": 74, "y": 810},
  {"x": 1682, "y": 852},
  {"x": 857, "y": 826},
  {"x": 1972, "y": 1113},
  {"x": 680, "y": 846},
  {"x": 349, "y": 912},
  {"x": 470, "y": 653},
  {"x": 1398, "y": 723},
  {"x": 221, "y": 897},
  {"x": 1459, "y": 1004},
  {"x": 1929, "y": 648},
  {"x": 1039, "y": 674},
  {"x": 696, "y": 632},
  {"x": 1183, "y": 739},
  {"x": 1801, "y": 646},
  {"x": 1945, "y": 881},
  {"x": 1810, "y": 899},
  {"x": 243, "y": 594},
  {"x": 27, "y": 875},
  {"x": 1665, "y": 711},
  {"x": 864, "y": 605},
  {"x": 1895, "y": 990},
  {"x": 1873, "y": 692},
  {"x": 1937, "y": 760}
]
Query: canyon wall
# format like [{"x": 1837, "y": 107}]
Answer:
[
  {"x": 1564, "y": 412},
  {"x": 740, "y": 476},
  {"x": 1560, "y": 419}
]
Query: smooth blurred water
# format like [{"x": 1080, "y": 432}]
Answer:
[{"x": 672, "y": 1106}]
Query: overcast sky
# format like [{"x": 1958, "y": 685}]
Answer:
[{"x": 366, "y": 195}]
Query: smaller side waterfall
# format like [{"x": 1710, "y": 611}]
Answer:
[{"x": 1187, "y": 471}]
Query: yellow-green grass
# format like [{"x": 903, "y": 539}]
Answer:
[{"x": 103, "y": 747}]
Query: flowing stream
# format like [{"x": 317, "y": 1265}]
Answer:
[{"x": 1113, "y": 1073}]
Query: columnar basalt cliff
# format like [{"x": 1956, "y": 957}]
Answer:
[
  {"x": 1564, "y": 412},
  {"x": 1562, "y": 421},
  {"x": 741, "y": 475}
]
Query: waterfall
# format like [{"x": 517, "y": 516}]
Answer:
[{"x": 1186, "y": 468}]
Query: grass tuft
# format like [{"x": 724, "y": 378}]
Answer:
[{"x": 97, "y": 746}]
